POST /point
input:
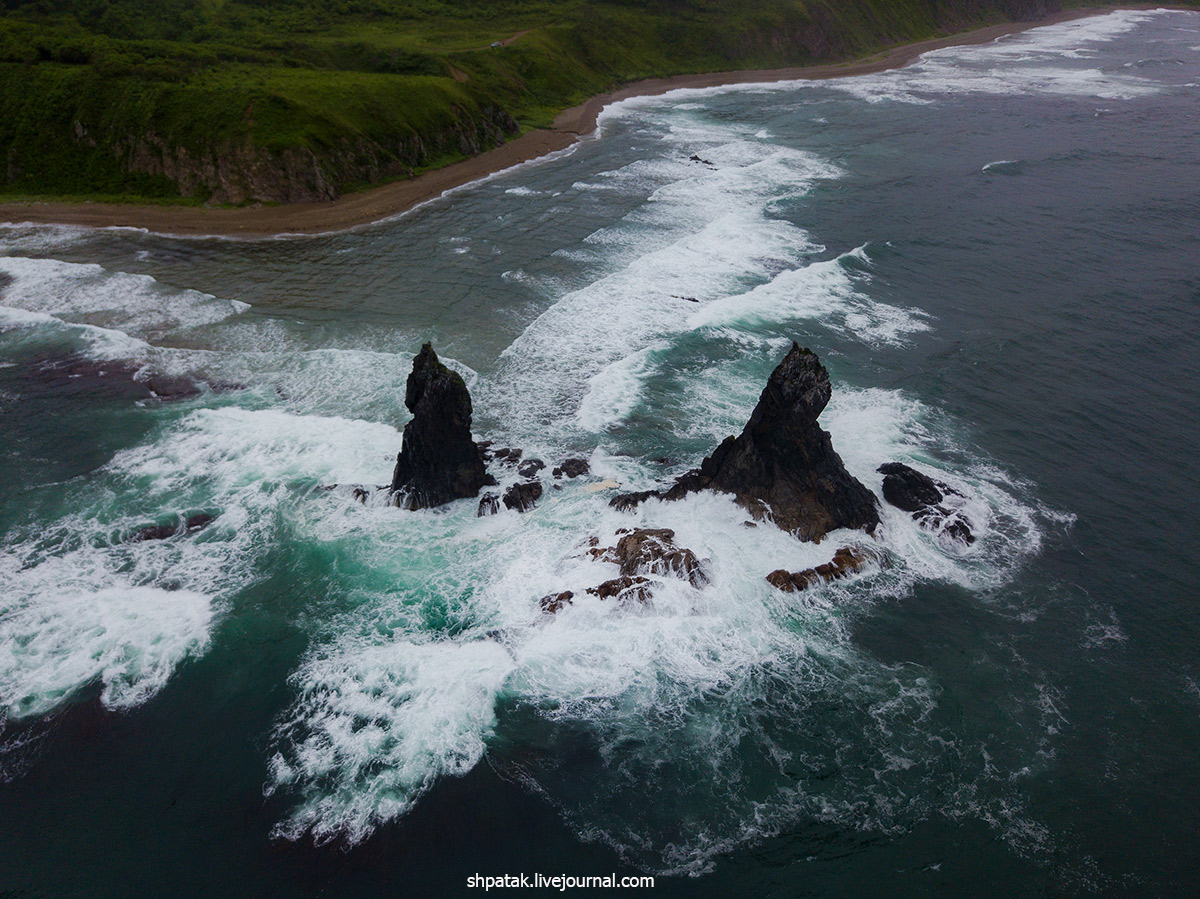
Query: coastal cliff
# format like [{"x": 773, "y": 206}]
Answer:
[{"x": 240, "y": 103}]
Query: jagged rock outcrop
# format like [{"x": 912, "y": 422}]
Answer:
[
  {"x": 530, "y": 467},
  {"x": 640, "y": 552},
  {"x": 555, "y": 601},
  {"x": 908, "y": 489},
  {"x": 438, "y": 460},
  {"x": 921, "y": 496},
  {"x": 653, "y": 551},
  {"x": 571, "y": 468},
  {"x": 507, "y": 456},
  {"x": 846, "y": 561},
  {"x": 523, "y": 496},
  {"x": 241, "y": 170},
  {"x": 624, "y": 587},
  {"x": 783, "y": 465}
]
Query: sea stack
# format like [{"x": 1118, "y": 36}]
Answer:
[
  {"x": 438, "y": 461},
  {"x": 783, "y": 465}
]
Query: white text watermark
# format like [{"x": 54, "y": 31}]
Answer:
[{"x": 560, "y": 882}]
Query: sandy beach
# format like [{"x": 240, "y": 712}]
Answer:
[{"x": 389, "y": 200}]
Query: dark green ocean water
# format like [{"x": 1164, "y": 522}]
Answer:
[{"x": 995, "y": 251}]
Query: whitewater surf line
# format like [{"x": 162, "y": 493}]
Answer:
[{"x": 389, "y": 201}]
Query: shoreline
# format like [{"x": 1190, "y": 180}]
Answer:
[{"x": 388, "y": 201}]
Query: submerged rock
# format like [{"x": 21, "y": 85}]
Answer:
[
  {"x": 489, "y": 504},
  {"x": 438, "y": 460},
  {"x": 846, "y": 561},
  {"x": 523, "y": 496},
  {"x": 73, "y": 374},
  {"x": 783, "y": 465},
  {"x": 189, "y": 525},
  {"x": 921, "y": 496}
]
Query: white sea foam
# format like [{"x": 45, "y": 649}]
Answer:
[
  {"x": 1025, "y": 63},
  {"x": 668, "y": 680},
  {"x": 823, "y": 291},
  {"x": 31, "y": 238},
  {"x": 232, "y": 450},
  {"x": 376, "y": 726},
  {"x": 86, "y": 293},
  {"x": 701, "y": 233},
  {"x": 441, "y": 639},
  {"x": 1000, "y": 165},
  {"x": 102, "y": 343},
  {"x": 61, "y": 638},
  {"x": 82, "y": 604}
]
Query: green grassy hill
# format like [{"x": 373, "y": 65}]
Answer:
[{"x": 234, "y": 101}]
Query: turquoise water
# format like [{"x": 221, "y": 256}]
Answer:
[{"x": 995, "y": 251}]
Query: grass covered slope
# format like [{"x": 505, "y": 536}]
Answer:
[{"x": 234, "y": 101}]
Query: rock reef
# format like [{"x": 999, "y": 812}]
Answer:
[
  {"x": 438, "y": 460},
  {"x": 782, "y": 466},
  {"x": 922, "y": 497},
  {"x": 642, "y": 555},
  {"x": 846, "y": 561}
]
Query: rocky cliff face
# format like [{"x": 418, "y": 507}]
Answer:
[
  {"x": 783, "y": 465},
  {"x": 245, "y": 172},
  {"x": 438, "y": 461}
]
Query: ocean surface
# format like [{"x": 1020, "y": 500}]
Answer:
[{"x": 995, "y": 251}]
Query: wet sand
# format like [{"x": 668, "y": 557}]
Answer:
[{"x": 389, "y": 200}]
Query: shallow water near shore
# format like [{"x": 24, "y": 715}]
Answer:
[{"x": 994, "y": 251}]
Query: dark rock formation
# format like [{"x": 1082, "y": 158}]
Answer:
[
  {"x": 523, "y": 496},
  {"x": 783, "y": 465},
  {"x": 489, "y": 504},
  {"x": 922, "y": 496},
  {"x": 623, "y": 587},
  {"x": 360, "y": 492},
  {"x": 555, "y": 601},
  {"x": 239, "y": 170},
  {"x": 653, "y": 551},
  {"x": 908, "y": 489},
  {"x": 72, "y": 374},
  {"x": 640, "y": 552},
  {"x": 627, "y": 502},
  {"x": 530, "y": 467},
  {"x": 507, "y": 456},
  {"x": 571, "y": 468},
  {"x": 846, "y": 561},
  {"x": 189, "y": 525},
  {"x": 438, "y": 461}
]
